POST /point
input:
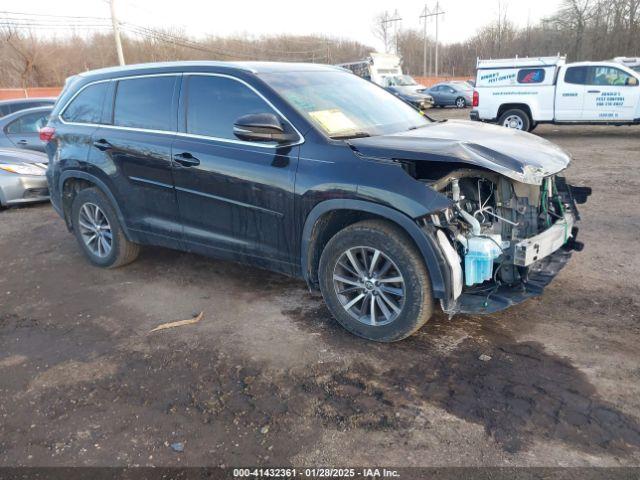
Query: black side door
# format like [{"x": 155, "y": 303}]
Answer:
[
  {"x": 24, "y": 131},
  {"x": 134, "y": 149},
  {"x": 235, "y": 197}
]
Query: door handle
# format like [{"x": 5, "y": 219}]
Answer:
[
  {"x": 21, "y": 142},
  {"x": 186, "y": 159},
  {"x": 593, "y": 91},
  {"x": 102, "y": 145}
]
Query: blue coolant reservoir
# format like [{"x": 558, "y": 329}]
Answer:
[{"x": 478, "y": 262}]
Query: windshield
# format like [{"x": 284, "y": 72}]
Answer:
[
  {"x": 343, "y": 105},
  {"x": 404, "y": 81}
]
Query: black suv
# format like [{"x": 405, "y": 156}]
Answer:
[{"x": 313, "y": 172}]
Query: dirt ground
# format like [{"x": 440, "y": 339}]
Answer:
[{"x": 268, "y": 378}]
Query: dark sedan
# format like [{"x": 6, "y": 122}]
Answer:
[
  {"x": 21, "y": 129},
  {"x": 421, "y": 101}
]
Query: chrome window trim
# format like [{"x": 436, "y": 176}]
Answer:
[
  {"x": 73, "y": 97},
  {"x": 300, "y": 141}
]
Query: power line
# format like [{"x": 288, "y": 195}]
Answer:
[
  {"x": 4, "y": 12},
  {"x": 184, "y": 42},
  {"x": 27, "y": 21}
]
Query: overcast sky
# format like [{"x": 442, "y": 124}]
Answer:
[{"x": 350, "y": 19}]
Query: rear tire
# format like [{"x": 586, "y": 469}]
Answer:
[
  {"x": 516, "y": 119},
  {"x": 461, "y": 102},
  {"x": 98, "y": 231},
  {"x": 400, "y": 308}
]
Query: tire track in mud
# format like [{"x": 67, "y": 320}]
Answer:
[
  {"x": 217, "y": 401},
  {"x": 523, "y": 394}
]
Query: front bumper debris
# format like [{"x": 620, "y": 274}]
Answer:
[
  {"x": 536, "y": 248},
  {"x": 540, "y": 275}
]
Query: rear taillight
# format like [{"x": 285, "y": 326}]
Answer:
[
  {"x": 47, "y": 133},
  {"x": 476, "y": 98}
]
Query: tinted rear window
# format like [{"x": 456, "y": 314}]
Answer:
[
  {"x": 215, "y": 103},
  {"x": 577, "y": 75},
  {"x": 144, "y": 103},
  {"x": 87, "y": 106},
  {"x": 30, "y": 123}
]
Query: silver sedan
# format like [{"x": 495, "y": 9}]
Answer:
[{"x": 22, "y": 177}]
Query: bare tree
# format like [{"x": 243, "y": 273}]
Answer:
[
  {"x": 573, "y": 16},
  {"x": 382, "y": 29}
]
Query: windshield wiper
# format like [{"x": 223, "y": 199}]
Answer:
[{"x": 351, "y": 135}]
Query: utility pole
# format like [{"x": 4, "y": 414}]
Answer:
[
  {"x": 437, "y": 15},
  {"x": 394, "y": 19},
  {"x": 116, "y": 32},
  {"x": 426, "y": 15},
  {"x": 424, "y": 35}
]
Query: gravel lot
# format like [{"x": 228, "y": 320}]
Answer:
[{"x": 268, "y": 378}]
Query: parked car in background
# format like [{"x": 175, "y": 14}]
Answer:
[
  {"x": 22, "y": 129},
  {"x": 421, "y": 101},
  {"x": 632, "y": 62},
  {"x": 22, "y": 177},
  {"x": 521, "y": 93},
  {"x": 458, "y": 94},
  {"x": 406, "y": 88},
  {"x": 403, "y": 83},
  {"x": 383, "y": 210},
  {"x": 10, "y": 106}
]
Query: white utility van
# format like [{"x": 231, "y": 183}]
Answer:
[
  {"x": 523, "y": 92},
  {"x": 376, "y": 68},
  {"x": 632, "y": 62}
]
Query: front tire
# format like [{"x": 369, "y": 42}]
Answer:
[
  {"x": 98, "y": 231},
  {"x": 374, "y": 281},
  {"x": 515, "y": 118}
]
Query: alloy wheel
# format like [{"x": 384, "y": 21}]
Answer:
[
  {"x": 460, "y": 103},
  {"x": 95, "y": 230},
  {"x": 369, "y": 286}
]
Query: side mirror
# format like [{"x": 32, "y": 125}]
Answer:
[
  {"x": 261, "y": 127},
  {"x": 632, "y": 81}
]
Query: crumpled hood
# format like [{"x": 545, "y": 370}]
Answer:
[{"x": 518, "y": 155}]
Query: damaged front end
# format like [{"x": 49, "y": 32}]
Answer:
[
  {"x": 509, "y": 224},
  {"x": 503, "y": 240}
]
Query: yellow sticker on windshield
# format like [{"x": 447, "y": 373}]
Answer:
[{"x": 333, "y": 120}]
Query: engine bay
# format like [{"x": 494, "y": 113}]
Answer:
[{"x": 499, "y": 229}]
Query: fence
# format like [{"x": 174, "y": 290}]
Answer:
[{"x": 10, "y": 93}]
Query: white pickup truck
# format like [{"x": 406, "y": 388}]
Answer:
[{"x": 524, "y": 92}]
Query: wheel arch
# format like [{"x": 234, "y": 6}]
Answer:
[
  {"x": 518, "y": 106},
  {"x": 319, "y": 228},
  {"x": 85, "y": 180}
]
